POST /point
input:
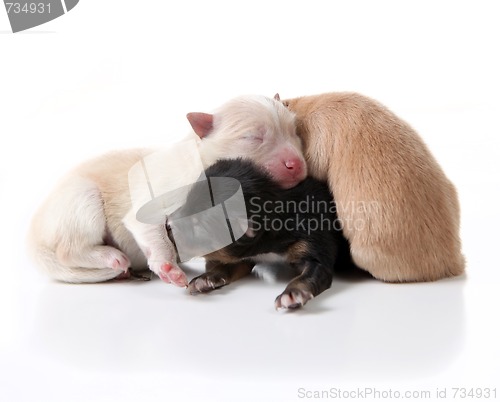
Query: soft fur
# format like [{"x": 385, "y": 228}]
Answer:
[
  {"x": 303, "y": 231},
  {"x": 382, "y": 176},
  {"x": 86, "y": 230}
]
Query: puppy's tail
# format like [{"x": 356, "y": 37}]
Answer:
[{"x": 47, "y": 262}]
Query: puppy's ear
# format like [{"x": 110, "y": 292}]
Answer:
[
  {"x": 202, "y": 123},
  {"x": 285, "y": 102}
]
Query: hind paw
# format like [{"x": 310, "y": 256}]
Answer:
[{"x": 118, "y": 261}]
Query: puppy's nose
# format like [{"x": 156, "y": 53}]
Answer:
[{"x": 294, "y": 166}]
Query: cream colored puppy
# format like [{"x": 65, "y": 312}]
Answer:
[
  {"x": 400, "y": 212},
  {"x": 86, "y": 231}
]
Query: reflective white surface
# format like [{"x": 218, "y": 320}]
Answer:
[
  {"x": 131, "y": 339},
  {"x": 116, "y": 75}
]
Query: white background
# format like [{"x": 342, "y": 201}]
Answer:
[{"x": 115, "y": 74}]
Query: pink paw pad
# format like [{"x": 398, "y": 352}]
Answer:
[
  {"x": 119, "y": 263},
  {"x": 171, "y": 274}
]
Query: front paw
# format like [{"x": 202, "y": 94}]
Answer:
[
  {"x": 207, "y": 282},
  {"x": 171, "y": 273},
  {"x": 292, "y": 299}
]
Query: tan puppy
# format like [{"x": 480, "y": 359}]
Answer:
[
  {"x": 400, "y": 212},
  {"x": 87, "y": 230}
]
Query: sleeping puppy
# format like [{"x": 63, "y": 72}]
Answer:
[
  {"x": 400, "y": 212},
  {"x": 87, "y": 231},
  {"x": 297, "y": 224}
]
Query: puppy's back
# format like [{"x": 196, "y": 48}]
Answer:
[{"x": 384, "y": 177}]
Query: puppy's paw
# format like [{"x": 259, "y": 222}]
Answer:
[
  {"x": 207, "y": 282},
  {"x": 123, "y": 276},
  {"x": 116, "y": 260},
  {"x": 292, "y": 299},
  {"x": 171, "y": 273}
]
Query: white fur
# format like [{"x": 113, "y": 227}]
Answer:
[{"x": 86, "y": 230}]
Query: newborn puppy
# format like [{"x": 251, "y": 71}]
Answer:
[
  {"x": 86, "y": 231},
  {"x": 297, "y": 224},
  {"x": 399, "y": 211}
]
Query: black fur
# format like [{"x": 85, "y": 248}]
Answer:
[{"x": 313, "y": 226}]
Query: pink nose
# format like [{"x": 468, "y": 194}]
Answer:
[{"x": 294, "y": 166}]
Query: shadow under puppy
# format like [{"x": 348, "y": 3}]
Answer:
[{"x": 298, "y": 225}]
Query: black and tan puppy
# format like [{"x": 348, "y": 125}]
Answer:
[{"x": 297, "y": 224}]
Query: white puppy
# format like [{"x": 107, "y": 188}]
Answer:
[{"x": 86, "y": 231}]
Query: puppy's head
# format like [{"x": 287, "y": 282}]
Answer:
[{"x": 254, "y": 127}]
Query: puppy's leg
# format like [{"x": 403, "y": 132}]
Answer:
[
  {"x": 93, "y": 257},
  {"x": 314, "y": 279},
  {"x": 158, "y": 249},
  {"x": 219, "y": 275},
  {"x": 68, "y": 236}
]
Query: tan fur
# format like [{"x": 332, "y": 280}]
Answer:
[
  {"x": 297, "y": 251},
  {"x": 221, "y": 256},
  {"x": 400, "y": 212},
  {"x": 231, "y": 272}
]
